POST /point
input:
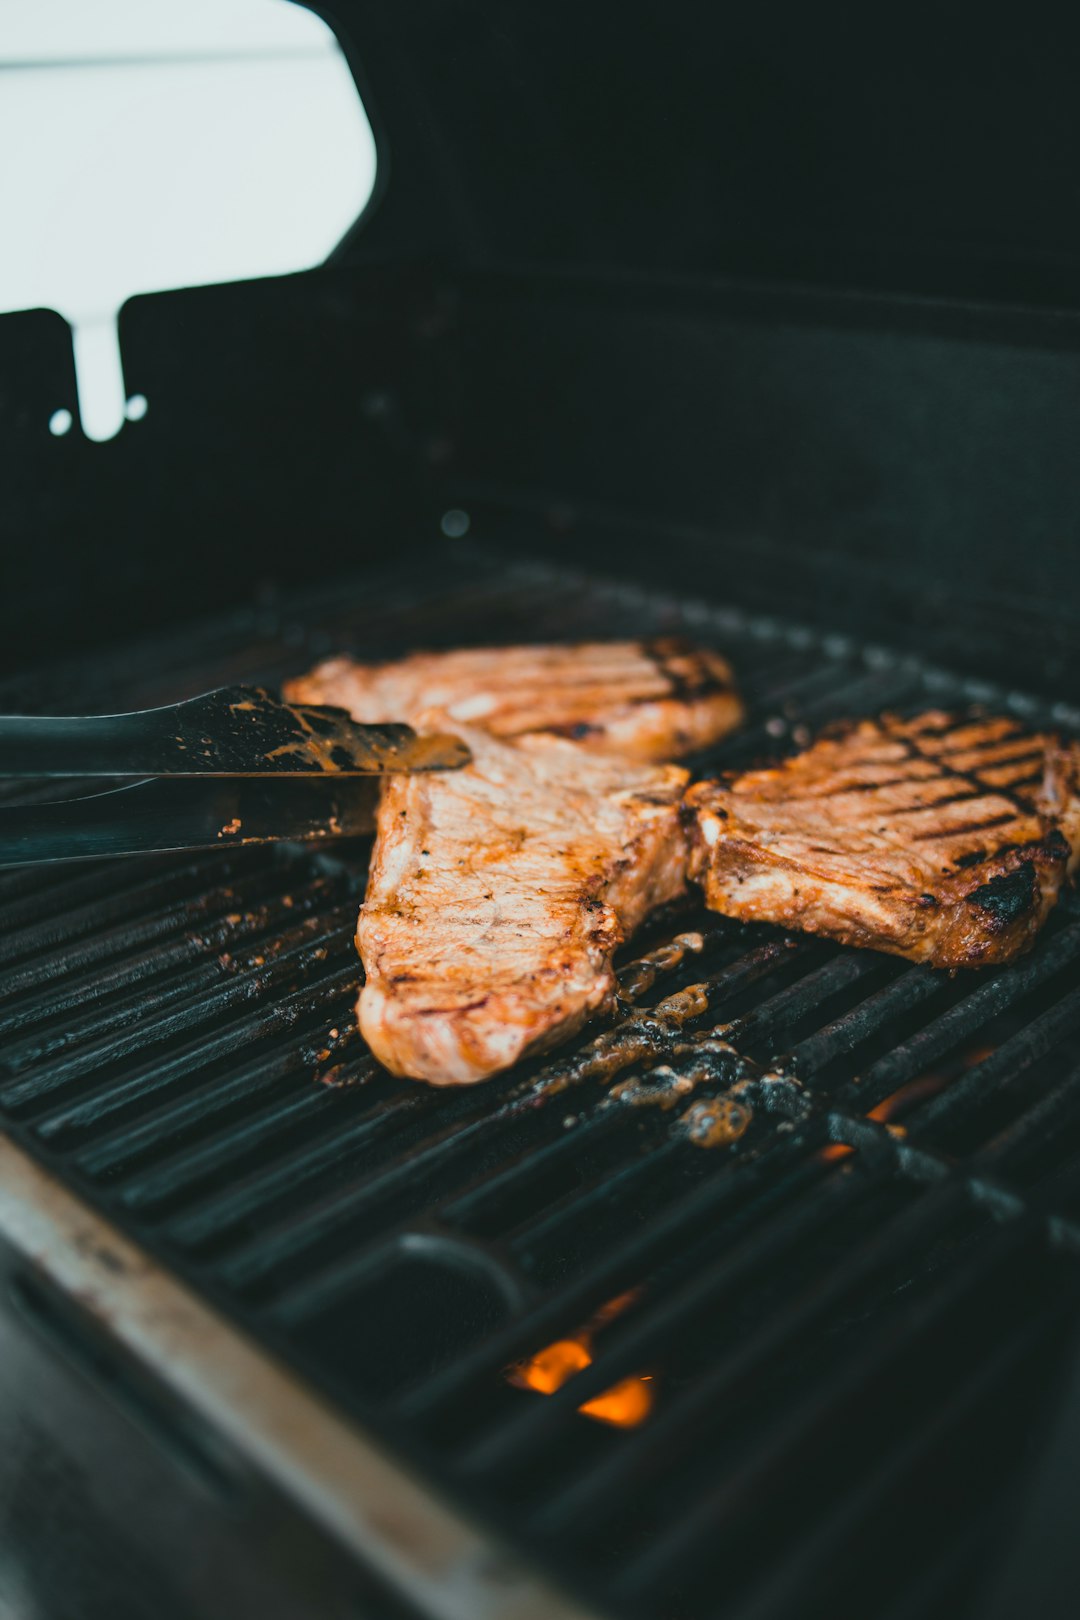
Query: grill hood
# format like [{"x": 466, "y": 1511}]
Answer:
[{"x": 773, "y": 296}]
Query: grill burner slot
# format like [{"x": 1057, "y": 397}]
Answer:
[
  {"x": 849, "y": 1311},
  {"x": 431, "y": 1299}
]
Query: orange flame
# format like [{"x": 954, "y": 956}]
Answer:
[
  {"x": 835, "y": 1150},
  {"x": 550, "y": 1368},
  {"x": 924, "y": 1085},
  {"x": 623, "y": 1406}
]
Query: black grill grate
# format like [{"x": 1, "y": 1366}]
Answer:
[{"x": 836, "y": 1312}]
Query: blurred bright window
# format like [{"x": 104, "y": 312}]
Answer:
[{"x": 155, "y": 144}]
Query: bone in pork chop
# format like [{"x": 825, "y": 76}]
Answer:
[
  {"x": 944, "y": 838},
  {"x": 644, "y": 699},
  {"x": 499, "y": 893}
]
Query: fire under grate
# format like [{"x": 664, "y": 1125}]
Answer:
[{"x": 801, "y": 1220}]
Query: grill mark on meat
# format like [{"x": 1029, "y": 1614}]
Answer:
[
  {"x": 965, "y": 774},
  {"x": 946, "y": 835},
  {"x": 980, "y": 758},
  {"x": 792, "y": 844},
  {"x": 974, "y": 729},
  {"x": 970, "y": 795},
  {"x": 865, "y": 787},
  {"x": 923, "y": 785},
  {"x": 1029, "y": 779}
]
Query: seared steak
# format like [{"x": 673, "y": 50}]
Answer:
[
  {"x": 944, "y": 838},
  {"x": 499, "y": 893},
  {"x": 645, "y": 699}
]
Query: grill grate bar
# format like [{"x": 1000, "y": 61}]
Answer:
[
  {"x": 561, "y": 1217},
  {"x": 283, "y": 1243},
  {"x": 854, "y": 1369},
  {"x": 194, "y": 1113},
  {"x": 268, "y": 932},
  {"x": 816, "y": 989},
  {"x": 281, "y": 1179},
  {"x": 146, "y": 1084},
  {"x": 1034, "y": 1128},
  {"x": 158, "y": 944},
  {"x": 790, "y": 685},
  {"x": 189, "y": 1013},
  {"x": 960, "y": 1022},
  {"x": 18, "y": 882},
  {"x": 470, "y": 1205},
  {"x": 454, "y": 1142},
  {"x": 90, "y": 902},
  {"x": 810, "y": 1561},
  {"x": 906, "y": 992},
  {"x": 1003, "y": 1066},
  {"x": 532, "y": 1238}
]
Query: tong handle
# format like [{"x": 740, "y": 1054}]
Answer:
[{"x": 161, "y": 814}]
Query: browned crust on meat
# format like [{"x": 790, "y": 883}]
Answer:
[
  {"x": 944, "y": 838},
  {"x": 652, "y": 700}
]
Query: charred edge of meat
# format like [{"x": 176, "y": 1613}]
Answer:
[
  {"x": 1008, "y": 898},
  {"x": 1012, "y": 895},
  {"x": 690, "y": 672}
]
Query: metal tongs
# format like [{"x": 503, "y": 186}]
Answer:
[{"x": 236, "y": 766}]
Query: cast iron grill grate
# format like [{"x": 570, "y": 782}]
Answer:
[{"x": 833, "y": 1312}]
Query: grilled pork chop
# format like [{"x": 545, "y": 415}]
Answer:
[
  {"x": 945, "y": 838},
  {"x": 644, "y": 699},
  {"x": 499, "y": 893}
]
